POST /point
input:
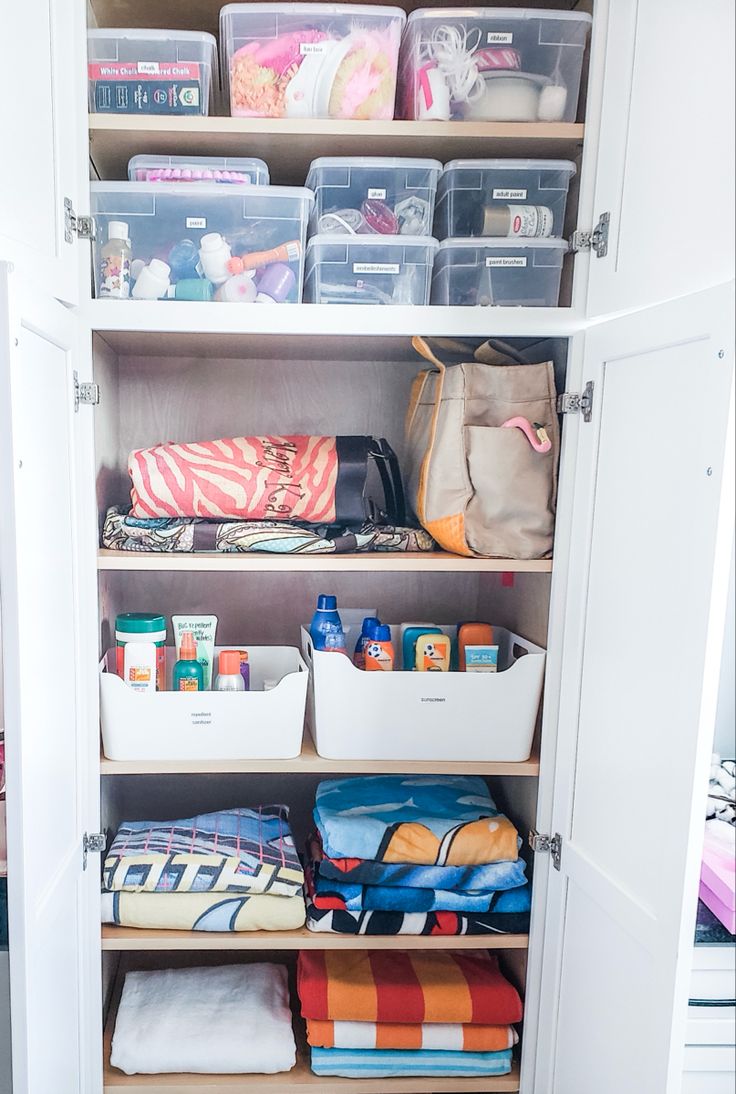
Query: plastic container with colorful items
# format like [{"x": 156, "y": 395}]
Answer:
[
  {"x": 510, "y": 272},
  {"x": 310, "y": 60},
  {"x": 512, "y": 198},
  {"x": 151, "y": 71},
  {"x": 160, "y": 241},
  {"x": 227, "y": 170},
  {"x": 373, "y": 195},
  {"x": 492, "y": 64},
  {"x": 369, "y": 269}
]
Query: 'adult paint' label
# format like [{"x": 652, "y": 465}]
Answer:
[
  {"x": 506, "y": 261},
  {"x": 506, "y": 193},
  {"x": 376, "y": 267}
]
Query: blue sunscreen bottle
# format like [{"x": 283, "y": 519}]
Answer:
[
  {"x": 325, "y": 620},
  {"x": 367, "y": 634}
]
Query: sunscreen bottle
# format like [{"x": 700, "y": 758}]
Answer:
[
  {"x": 472, "y": 634},
  {"x": 409, "y": 634},
  {"x": 188, "y": 672},
  {"x": 379, "y": 651},
  {"x": 433, "y": 653},
  {"x": 367, "y": 633},
  {"x": 324, "y": 620}
]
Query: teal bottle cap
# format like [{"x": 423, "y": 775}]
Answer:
[{"x": 139, "y": 623}]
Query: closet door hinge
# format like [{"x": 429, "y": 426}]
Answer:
[
  {"x": 547, "y": 845},
  {"x": 597, "y": 240},
  {"x": 81, "y": 227},
  {"x": 93, "y": 843},
  {"x": 86, "y": 393},
  {"x": 573, "y": 402}
]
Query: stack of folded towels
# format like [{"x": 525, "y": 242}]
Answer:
[
  {"x": 400, "y": 854},
  {"x": 234, "y": 870},
  {"x": 382, "y": 1013}
]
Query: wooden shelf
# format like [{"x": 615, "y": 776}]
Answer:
[
  {"x": 288, "y": 145},
  {"x": 137, "y": 939},
  {"x": 309, "y": 762},
  {"x": 435, "y": 562}
]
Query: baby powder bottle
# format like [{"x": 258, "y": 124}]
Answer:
[
  {"x": 188, "y": 671},
  {"x": 141, "y": 628},
  {"x": 325, "y": 620},
  {"x": 214, "y": 255},
  {"x": 228, "y": 677},
  {"x": 115, "y": 262}
]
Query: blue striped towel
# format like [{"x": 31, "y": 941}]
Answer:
[{"x": 373, "y": 1063}]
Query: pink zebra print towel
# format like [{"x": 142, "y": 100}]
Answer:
[{"x": 254, "y": 478}]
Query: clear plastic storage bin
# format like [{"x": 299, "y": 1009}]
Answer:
[
  {"x": 198, "y": 242},
  {"x": 151, "y": 71},
  {"x": 227, "y": 170},
  {"x": 373, "y": 195},
  {"x": 492, "y": 64},
  {"x": 310, "y": 60},
  {"x": 353, "y": 269},
  {"x": 507, "y": 272},
  {"x": 511, "y": 198}
]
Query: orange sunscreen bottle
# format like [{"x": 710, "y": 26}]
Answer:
[
  {"x": 472, "y": 634},
  {"x": 433, "y": 653},
  {"x": 379, "y": 651}
]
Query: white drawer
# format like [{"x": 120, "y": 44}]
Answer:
[
  {"x": 711, "y": 1026},
  {"x": 709, "y": 1069},
  {"x": 713, "y": 972}
]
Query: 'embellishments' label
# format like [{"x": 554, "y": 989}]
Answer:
[
  {"x": 506, "y": 260},
  {"x": 377, "y": 192},
  {"x": 497, "y": 38},
  {"x": 196, "y": 222},
  {"x": 376, "y": 267},
  {"x": 503, "y": 193}
]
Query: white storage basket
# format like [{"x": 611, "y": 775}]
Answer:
[
  {"x": 474, "y": 717},
  {"x": 208, "y": 725}
]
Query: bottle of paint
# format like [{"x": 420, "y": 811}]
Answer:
[
  {"x": 275, "y": 284},
  {"x": 183, "y": 258},
  {"x": 188, "y": 673},
  {"x": 240, "y": 289},
  {"x": 152, "y": 282},
  {"x": 115, "y": 259},
  {"x": 513, "y": 221},
  {"x": 228, "y": 677},
  {"x": 367, "y": 634},
  {"x": 379, "y": 652},
  {"x": 214, "y": 255},
  {"x": 146, "y": 629},
  {"x": 192, "y": 288},
  {"x": 324, "y": 621}
]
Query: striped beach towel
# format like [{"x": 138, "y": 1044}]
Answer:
[
  {"x": 416, "y": 987},
  {"x": 204, "y": 911},
  {"x": 437, "y": 1036},
  {"x": 373, "y": 1064}
]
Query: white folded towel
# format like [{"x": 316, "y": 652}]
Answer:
[{"x": 230, "y": 1020}]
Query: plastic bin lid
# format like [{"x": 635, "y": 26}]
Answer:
[
  {"x": 196, "y": 163},
  {"x": 143, "y": 34},
  {"x": 374, "y": 241},
  {"x": 213, "y": 189},
  {"x": 373, "y": 161},
  {"x": 559, "y": 166},
  {"x": 312, "y": 10},
  {"x": 496, "y": 14},
  {"x": 551, "y": 243}
]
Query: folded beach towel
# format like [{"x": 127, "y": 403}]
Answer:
[
  {"x": 436, "y": 820},
  {"x": 204, "y": 911},
  {"x": 392, "y": 1035},
  {"x": 228, "y": 1019},
  {"x": 234, "y": 851},
  {"x": 415, "y": 987},
  {"x": 377, "y": 1064},
  {"x": 369, "y": 872}
]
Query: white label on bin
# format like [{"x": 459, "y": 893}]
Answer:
[
  {"x": 305, "y": 48},
  {"x": 506, "y": 260},
  {"x": 149, "y": 68},
  {"x": 503, "y": 193},
  {"x": 499, "y": 38},
  {"x": 196, "y": 222},
  {"x": 201, "y": 717},
  {"x": 377, "y": 192},
  {"x": 376, "y": 267}
]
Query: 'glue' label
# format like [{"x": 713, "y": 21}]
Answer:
[{"x": 377, "y": 192}]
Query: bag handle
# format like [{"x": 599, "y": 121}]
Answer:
[
  {"x": 388, "y": 468},
  {"x": 422, "y": 347}
]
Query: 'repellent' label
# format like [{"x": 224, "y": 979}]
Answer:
[
  {"x": 377, "y": 192},
  {"x": 308, "y": 48},
  {"x": 376, "y": 267},
  {"x": 507, "y": 261},
  {"x": 499, "y": 38},
  {"x": 504, "y": 193},
  {"x": 196, "y": 222}
]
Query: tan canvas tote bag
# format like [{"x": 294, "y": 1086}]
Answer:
[{"x": 480, "y": 488}]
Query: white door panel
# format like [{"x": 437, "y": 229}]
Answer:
[
  {"x": 648, "y": 569},
  {"x": 47, "y": 589}
]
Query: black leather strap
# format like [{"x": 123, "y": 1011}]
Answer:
[{"x": 352, "y": 469}]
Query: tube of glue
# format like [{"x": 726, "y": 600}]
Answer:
[{"x": 286, "y": 252}]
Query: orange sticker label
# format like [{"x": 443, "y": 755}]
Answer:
[
  {"x": 188, "y": 685},
  {"x": 139, "y": 675}
]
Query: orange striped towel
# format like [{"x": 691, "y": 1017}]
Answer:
[
  {"x": 416, "y": 987},
  {"x": 438, "y": 1035}
]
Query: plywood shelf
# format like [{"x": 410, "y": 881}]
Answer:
[
  {"x": 309, "y": 762},
  {"x": 288, "y": 145},
  {"x": 398, "y": 562},
  {"x": 135, "y": 939}
]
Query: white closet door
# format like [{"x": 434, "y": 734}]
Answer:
[
  {"x": 47, "y": 587},
  {"x": 665, "y": 151},
  {"x": 652, "y": 515},
  {"x": 44, "y": 144}
]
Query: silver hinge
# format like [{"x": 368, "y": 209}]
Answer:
[
  {"x": 81, "y": 227},
  {"x": 573, "y": 402},
  {"x": 597, "y": 240},
  {"x": 547, "y": 845},
  {"x": 93, "y": 843},
  {"x": 86, "y": 393}
]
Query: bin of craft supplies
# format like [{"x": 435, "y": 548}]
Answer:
[
  {"x": 227, "y": 170},
  {"x": 208, "y": 725},
  {"x": 509, "y": 198},
  {"x": 492, "y": 64},
  {"x": 357, "y": 269},
  {"x": 373, "y": 196},
  {"x": 227, "y": 243},
  {"x": 310, "y": 60},
  {"x": 151, "y": 71},
  {"x": 510, "y": 272},
  {"x": 470, "y": 716}
]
